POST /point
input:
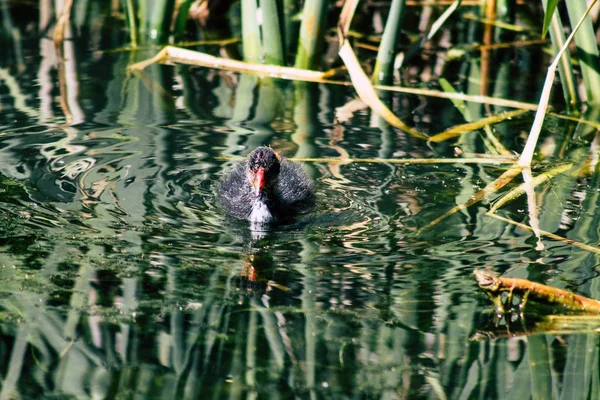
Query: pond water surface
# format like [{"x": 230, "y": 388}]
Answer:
[{"x": 121, "y": 277}]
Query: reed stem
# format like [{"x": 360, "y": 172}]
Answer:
[
  {"x": 311, "y": 33},
  {"x": 389, "y": 44},
  {"x": 587, "y": 49},
  {"x": 132, "y": 19},
  {"x": 252, "y": 44},
  {"x": 271, "y": 32}
]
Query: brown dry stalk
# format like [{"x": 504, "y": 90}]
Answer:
[
  {"x": 59, "y": 31},
  {"x": 494, "y": 286},
  {"x": 488, "y": 37},
  {"x": 190, "y": 57},
  {"x": 62, "y": 85}
]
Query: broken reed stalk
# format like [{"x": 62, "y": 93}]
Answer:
[
  {"x": 189, "y": 57},
  {"x": 361, "y": 82},
  {"x": 184, "y": 56},
  {"x": 494, "y": 286}
]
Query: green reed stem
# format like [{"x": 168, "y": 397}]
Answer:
[
  {"x": 565, "y": 68},
  {"x": 587, "y": 50},
  {"x": 80, "y": 13},
  {"x": 159, "y": 17},
  {"x": 271, "y": 32},
  {"x": 132, "y": 19},
  {"x": 311, "y": 32},
  {"x": 536, "y": 127},
  {"x": 389, "y": 43},
  {"x": 252, "y": 44},
  {"x": 289, "y": 8},
  {"x": 183, "y": 13},
  {"x": 142, "y": 21}
]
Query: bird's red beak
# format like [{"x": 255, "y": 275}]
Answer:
[{"x": 259, "y": 181}]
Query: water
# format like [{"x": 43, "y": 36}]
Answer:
[{"x": 122, "y": 278}]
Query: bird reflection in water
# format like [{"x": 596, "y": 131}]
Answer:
[{"x": 257, "y": 273}]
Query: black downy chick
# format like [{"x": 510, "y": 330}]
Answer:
[{"x": 267, "y": 187}]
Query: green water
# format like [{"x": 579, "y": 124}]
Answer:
[{"x": 120, "y": 277}]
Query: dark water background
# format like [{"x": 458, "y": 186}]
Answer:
[{"x": 120, "y": 277}]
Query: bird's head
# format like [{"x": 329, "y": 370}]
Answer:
[{"x": 262, "y": 169}]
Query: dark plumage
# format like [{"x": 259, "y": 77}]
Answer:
[{"x": 265, "y": 188}]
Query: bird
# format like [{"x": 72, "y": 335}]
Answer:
[{"x": 266, "y": 188}]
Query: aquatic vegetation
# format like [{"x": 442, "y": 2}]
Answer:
[{"x": 439, "y": 142}]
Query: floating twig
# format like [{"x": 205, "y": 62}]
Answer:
[
  {"x": 406, "y": 161},
  {"x": 494, "y": 286},
  {"x": 548, "y": 325}
]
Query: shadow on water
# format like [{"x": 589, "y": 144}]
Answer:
[{"x": 121, "y": 277}]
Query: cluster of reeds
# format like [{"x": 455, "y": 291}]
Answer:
[
  {"x": 265, "y": 54},
  {"x": 283, "y": 32}
]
